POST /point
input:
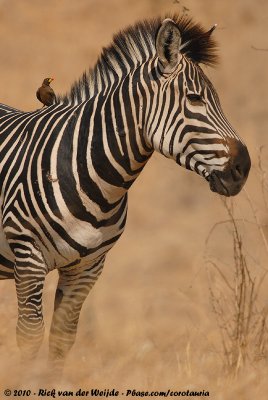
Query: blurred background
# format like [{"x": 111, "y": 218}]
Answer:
[{"x": 149, "y": 322}]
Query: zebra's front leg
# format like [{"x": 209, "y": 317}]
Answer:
[
  {"x": 73, "y": 287},
  {"x": 30, "y": 272}
]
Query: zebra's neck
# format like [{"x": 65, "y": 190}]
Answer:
[
  {"x": 113, "y": 95},
  {"x": 113, "y": 137}
]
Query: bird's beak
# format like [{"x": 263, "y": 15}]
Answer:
[{"x": 51, "y": 79}]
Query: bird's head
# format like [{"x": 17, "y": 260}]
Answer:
[{"x": 47, "y": 81}]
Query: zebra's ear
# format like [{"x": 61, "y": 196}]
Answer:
[{"x": 168, "y": 41}]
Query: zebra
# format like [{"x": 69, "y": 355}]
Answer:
[{"x": 66, "y": 169}]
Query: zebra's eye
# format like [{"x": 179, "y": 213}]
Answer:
[{"x": 195, "y": 99}]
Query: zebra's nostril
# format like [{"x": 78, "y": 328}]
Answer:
[
  {"x": 240, "y": 163},
  {"x": 238, "y": 170}
]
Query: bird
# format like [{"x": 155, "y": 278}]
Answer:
[{"x": 45, "y": 93}]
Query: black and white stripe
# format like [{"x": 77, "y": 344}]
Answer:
[{"x": 65, "y": 170}]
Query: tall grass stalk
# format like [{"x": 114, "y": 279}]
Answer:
[{"x": 234, "y": 298}]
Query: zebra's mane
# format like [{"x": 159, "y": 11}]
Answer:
[{"x": 135, "y": 45}]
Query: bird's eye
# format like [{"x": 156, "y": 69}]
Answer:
[{"x": 195, "y": 99}]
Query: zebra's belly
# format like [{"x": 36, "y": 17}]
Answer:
[
  {"x": 92, "y": 246},
  {"x": 68, "y": 241},
  {"x": 82, "y": 242},
  {"x": 62, "y": 253}
]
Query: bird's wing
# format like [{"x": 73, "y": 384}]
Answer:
[{"x": 51, "y": 95}]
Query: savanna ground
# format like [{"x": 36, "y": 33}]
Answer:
[{"x": 149, "y": 322}]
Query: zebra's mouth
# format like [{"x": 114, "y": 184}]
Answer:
[
  {"x": 217, "y": 184},
  {"x": 232, "y": 178}
]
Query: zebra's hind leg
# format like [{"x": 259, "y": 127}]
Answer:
[
  {"x": 30, "y": 271},
  {"x": 73, "y": 287}
]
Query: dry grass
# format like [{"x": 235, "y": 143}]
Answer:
[{"x": 241, "y": 321}]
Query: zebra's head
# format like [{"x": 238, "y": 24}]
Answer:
[{"x": 189, "y": 125}]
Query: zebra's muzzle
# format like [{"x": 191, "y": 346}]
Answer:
[
  {"x": 230, "y": 181},
  {"x": 217, "y": 184}
]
